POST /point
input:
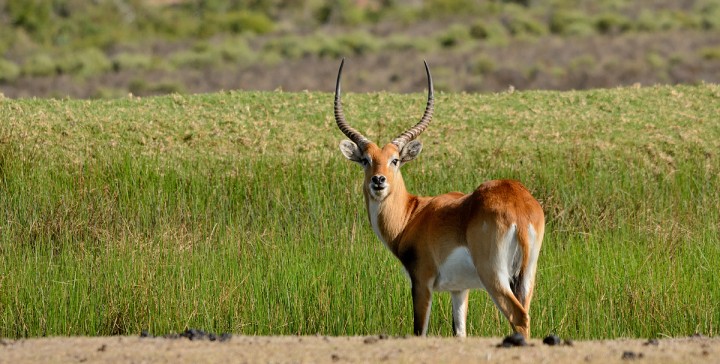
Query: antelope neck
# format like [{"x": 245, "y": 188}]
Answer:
[{"x": 390, "y": 216}]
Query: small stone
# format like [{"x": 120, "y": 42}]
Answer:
[
  {"x": 370, "y": 340},
  {"x": 382, "y": 336},
  {"x": 631, "y": 355},
  {"x": 653, "y": 342},
  {"x": 568, "y": 342},
  {"x": 551, "y": 340},
  {"x": 334, "y": 357}
]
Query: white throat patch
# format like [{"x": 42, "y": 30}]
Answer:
[{"x": 374, "y": 212}]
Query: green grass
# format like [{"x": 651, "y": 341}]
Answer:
[{"x": 236, "y": 212}]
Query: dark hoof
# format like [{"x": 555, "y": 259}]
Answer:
[
  {"x": 515, "y": 339},
  {"x": 551, "y": 340}
]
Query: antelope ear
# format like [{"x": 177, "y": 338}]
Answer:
[
  {"x": 351, "y": 151},
  {"x": 410, "y": 151}
]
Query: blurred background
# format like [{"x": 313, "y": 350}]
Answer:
[{"x": 110, "y": 48}]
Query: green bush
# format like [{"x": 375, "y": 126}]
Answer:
[
  {"x": 344, "y": 12},
  {"x": 9, "y": 71},
  {"x": 570, "y": 22},
  {"x": 710, "y": 53},
  {"x": 195, "y": 59},
  {"x": 612, "y": 23},
  {"x": 293, "y": 46},
  {"x": 710, "y": 16},
  {"x": 352, "y": 15},
  {"x": 454, "y": 35},
  {"x": 332, "y": 48},
  {"x": 434, "y": 8},
  {"x": 131, "y": 61},
  {"x": 33, "y": 16},
  {"x": 656, "y": 61},
  {"x": 581, "y": 63},
  {"x": 486, "y": 29},
  {"x": 402, "y": 42},
  {"x": 519, "y": 22},
  {"x": 39, "y": 65},
  {"x": 235, "y": 50},
  {"x": 646, "y": 21},
  {"x": 684, "y": 20},
  {"x": 359, "y": 42},
  {"x": 653, "y": 21},
  {"x": 86, "y": 63},
  {"x": 244, "y": 21},
  {"x": 482, "y": 65},
  {"x": 667, "y": 20}
]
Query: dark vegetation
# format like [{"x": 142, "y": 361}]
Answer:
[{"x": 110, "y": 48}]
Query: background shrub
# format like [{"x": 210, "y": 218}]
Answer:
[
  {"x": 519, "y": 22},
  {"x": 195, "y": 59},
  {"x": 359, "y": 42},
  {"x": 454, "y": 35},
  {"x": 570, "y": 22},
  {"x": 39, "y": 65},
  {"x": 131, "y": 61},
  {"x": 482, "y": 65},
  {"x": 612, "y": 23},
  {"x": 85, "y": 63},
  {"x": 710, "y": 53},
  {"x": 235, "y": 50},
  {"x": 243, "y": 21},
  {"x": 9, "y": 71}
]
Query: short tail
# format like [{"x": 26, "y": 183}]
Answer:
[{"x": 518, "y": 283}]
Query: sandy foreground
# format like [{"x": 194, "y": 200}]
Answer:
[{"x": 368, "y": 349}]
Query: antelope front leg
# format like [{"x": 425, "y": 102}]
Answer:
[
  {"x": 460, "y": 309},
  {"x": 422, "y": 303}
]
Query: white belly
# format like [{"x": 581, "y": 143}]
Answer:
[{"x": 457, "y": 272}]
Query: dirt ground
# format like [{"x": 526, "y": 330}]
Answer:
[{"x": 369, "y": 349}]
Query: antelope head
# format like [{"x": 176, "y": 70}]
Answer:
[{"x": 382, "y": 165}]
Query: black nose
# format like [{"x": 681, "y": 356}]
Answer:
[{"x": 379, "y": 179}]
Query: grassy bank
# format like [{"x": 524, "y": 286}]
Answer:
[{"x": 236, "y": 212}]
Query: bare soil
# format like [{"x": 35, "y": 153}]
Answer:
[{"x": 318, "y": 349}]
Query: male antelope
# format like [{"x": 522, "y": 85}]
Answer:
[{"x": 487, "y": 239}]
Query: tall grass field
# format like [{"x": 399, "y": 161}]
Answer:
[{"x": 236, "y": 212}]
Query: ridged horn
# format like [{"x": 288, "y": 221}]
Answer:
[
  {"x": 416, "y": 130},
  {"x": 348, "y": 130}
]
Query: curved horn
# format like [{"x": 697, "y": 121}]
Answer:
[
  {"x": 348, "y": 130},
  {"x": 413, "y": 132}
]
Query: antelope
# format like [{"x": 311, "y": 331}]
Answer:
[{"x": 489, "y": 239}]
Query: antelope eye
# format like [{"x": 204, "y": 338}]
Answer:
[
  {"x": 395, "y": 162},
  {"x": 365, "y": 161}
]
